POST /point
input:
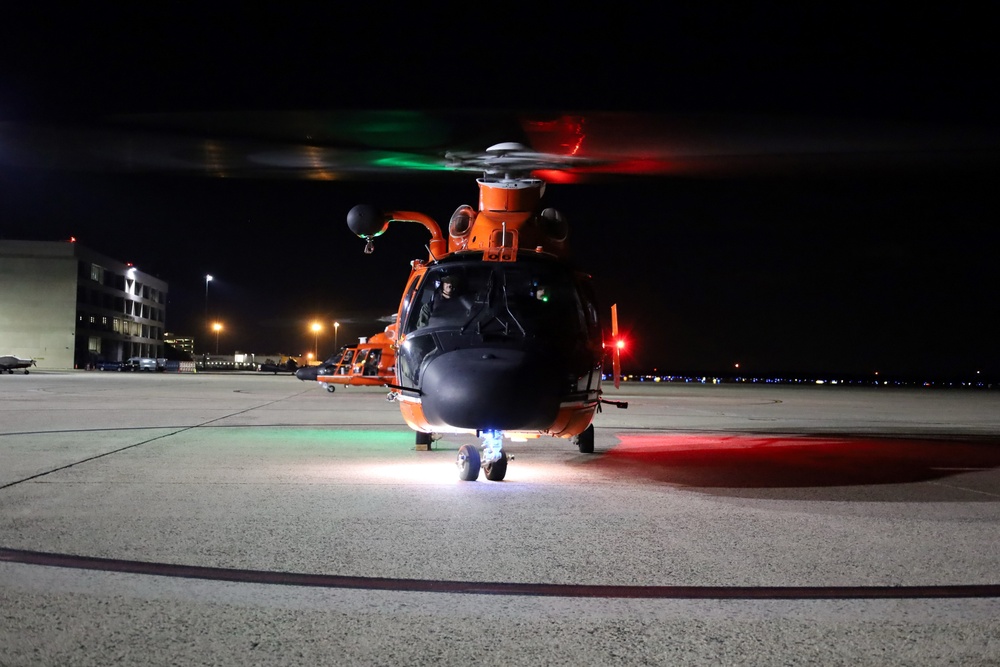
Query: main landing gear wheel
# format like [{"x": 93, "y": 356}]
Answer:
[
  {"x": 496, "y": 471},
  {"x": 468, "y": 463},
  {"x": 585, "y": 441},
  {"x": 330, "y": 388}
]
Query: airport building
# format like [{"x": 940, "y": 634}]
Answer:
[{"x": 67, "y": 306}]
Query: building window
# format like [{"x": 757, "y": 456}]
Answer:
[
  {"x": 94, "y": 344},
  {"x": 116, "y": 325},
  {"x": 97, "y": 273}
]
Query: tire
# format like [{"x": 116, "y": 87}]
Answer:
[
  {"x": 585, "y": 441},
  {"x": 496, "y": 471},
  {"x": 468, "y": 463}
]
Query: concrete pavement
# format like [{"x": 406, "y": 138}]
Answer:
[{"x": 802, "y": 511}]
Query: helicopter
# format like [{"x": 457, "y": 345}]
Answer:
[
  {"x": 369, "y": 362},
  {"x": 497, "y": 333}
]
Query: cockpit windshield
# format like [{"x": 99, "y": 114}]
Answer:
[{"x": 514, "y": 299}]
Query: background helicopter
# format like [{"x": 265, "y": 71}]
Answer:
[
  {"x": 369, "y": 362},
  {"x": 496, "y": 333}
]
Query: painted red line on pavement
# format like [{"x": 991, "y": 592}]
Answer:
[{"x": 497, "y": 588}]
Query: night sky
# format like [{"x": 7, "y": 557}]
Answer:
[{"x": 819, "y": 265}]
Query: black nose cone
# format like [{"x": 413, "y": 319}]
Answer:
[
  {"x": 307, "y": 373},
  {"x": 491, "y": 389}
]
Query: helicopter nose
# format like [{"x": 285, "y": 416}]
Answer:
[{"x": 490, "y": 389}]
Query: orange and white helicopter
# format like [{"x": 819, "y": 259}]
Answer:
[
  {"x": 370, "y": 362},
  {"x": 496, "y": 333}
]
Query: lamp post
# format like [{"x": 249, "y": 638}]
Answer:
[
  {"x": 208, "y": 279},
  {"x": 336, "y": 330},
  {"x": 316, "y": 327},
  {"x": 217, "y": 327}
]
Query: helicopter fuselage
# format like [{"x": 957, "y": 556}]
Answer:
[
  {"x": 517, "y": 348},
  {"x": 514, "y": 342}
]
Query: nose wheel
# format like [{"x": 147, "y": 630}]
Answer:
[
  {"x": 468, "y": 463},
  {"x": 496, "y": 471},
  {"x": 493, "y": 459}
]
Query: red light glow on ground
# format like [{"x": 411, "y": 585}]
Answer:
[{"x": 774, "y": 461}]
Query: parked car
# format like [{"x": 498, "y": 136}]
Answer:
[{"x": 111, "y": 366}]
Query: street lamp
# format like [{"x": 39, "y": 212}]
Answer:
[
  {"x": 208, "y": 279},
  {"x": 336, "y": 330},
  {"x": 316, "y": 327},
  {"x": 217, "y": 327}
]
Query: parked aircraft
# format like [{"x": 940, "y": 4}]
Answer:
[{"x": 10, "y": 362}]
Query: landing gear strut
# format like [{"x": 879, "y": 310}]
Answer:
[{"x": 493, "y": 459}]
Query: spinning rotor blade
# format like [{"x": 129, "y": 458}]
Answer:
[
  {"x": 645, "y": 144},
  {"x": 564, "y": 148},
  {"x": 285, "y": 144}
]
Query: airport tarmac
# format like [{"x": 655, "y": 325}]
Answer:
[{"x": 260, "y": 520}]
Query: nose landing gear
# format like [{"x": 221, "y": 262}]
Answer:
[{"x": 493, "y": 459}]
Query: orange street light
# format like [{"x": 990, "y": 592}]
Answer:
[
  {"x": 217, "y": 327},
  {"x": 316, "y": 327}
]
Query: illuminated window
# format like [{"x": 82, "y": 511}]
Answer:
[
  {"x": 94, "y": 344},
  {"x": 116, "y": 325},
  {"x": 97, "y": 273}
]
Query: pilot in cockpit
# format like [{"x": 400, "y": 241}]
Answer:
[{"x": 441, "y": 300}]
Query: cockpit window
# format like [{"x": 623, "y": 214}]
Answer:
[{"x": 513, "y": 299}]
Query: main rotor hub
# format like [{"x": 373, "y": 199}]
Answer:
[{"x": 510, "y": 161}]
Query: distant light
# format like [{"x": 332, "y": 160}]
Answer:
[{"x": 208, "y": 278}]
